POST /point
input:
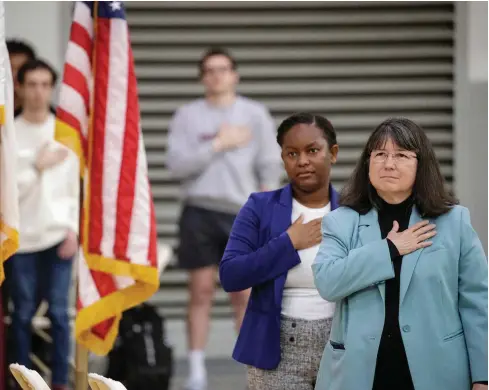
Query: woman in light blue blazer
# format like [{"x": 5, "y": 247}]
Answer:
[{"x": 407, "y": 272}]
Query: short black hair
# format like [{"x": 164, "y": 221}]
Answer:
[
  {"x": 308, "y": 119},
  {"x": 429, "y": 193},
  {"x": 216, "y": 51},
  {"x": 15, "y": 46},
  {"x": 35, "y": 64}
]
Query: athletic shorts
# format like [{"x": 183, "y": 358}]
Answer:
[{"x": 203, "y": 237}]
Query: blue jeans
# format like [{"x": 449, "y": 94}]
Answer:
[{"x": 31, "y": 278}]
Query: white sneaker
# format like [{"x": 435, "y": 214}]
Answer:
[{"x": 193, "y": 384}]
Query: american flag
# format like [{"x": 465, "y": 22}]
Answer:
[{"x": 98, "y": 117}]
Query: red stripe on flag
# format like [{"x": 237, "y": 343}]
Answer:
[
  {"x": 101, "y": 78},
  {"x": 80, "y": 36},
  {"x": 76, "y": 80},
  {"x": 105, "y": 286},
  {"x": 104, "y": 282},
  {"x": 127, "y": 181},
  {"x": 101, "y": 330}
]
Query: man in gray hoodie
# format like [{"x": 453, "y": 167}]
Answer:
[{"x": 223, "y": 148}]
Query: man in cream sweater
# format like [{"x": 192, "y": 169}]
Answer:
[{"x": 49, "y": 202}]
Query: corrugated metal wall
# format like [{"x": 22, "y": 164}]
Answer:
[{"x": 356, "y": 63}]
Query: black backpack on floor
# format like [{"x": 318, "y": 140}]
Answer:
[{"x": 141, "y": 358}]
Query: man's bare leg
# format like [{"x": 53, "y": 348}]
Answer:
[{"x": 202, "y": 284}]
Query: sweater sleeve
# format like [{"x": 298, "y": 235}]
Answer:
[
  {"x": 187, "y": 155},
  {"x": 73, "y": 193},
  {"x": 28, "y": 175},
  {"x": 268, "y": 163}
]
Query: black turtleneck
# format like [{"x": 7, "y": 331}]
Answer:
[{"x": 392, "y": 370}]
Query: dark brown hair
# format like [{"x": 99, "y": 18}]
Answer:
[
  {"x": 429, "y": 193},
  {"x": 216, "y": 51},
  {"x": 33, "y": 65},
  {"x": 15, "y": 46}
]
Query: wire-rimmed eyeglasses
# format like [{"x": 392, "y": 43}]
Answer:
[{"x": 380, "y": 156}]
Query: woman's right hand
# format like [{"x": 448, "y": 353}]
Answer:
[
  {"x": 413, "y": 238},
  {"x": 305, "y": 235}
]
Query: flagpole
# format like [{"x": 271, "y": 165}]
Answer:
[
  {"x": 81, "y": 367},
  {"x": 81, "y": 353}
]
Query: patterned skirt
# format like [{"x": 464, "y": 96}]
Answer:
[{"x": 302, "y": 344}]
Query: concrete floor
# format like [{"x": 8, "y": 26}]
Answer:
[{"x": 223, "y": 374}]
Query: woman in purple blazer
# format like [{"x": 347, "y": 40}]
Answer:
[{"x": 272, "y": 245}]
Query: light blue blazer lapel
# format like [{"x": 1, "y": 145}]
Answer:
[
  {"x": 369, "y": 231},
  {"x": 409, "y": 261}
]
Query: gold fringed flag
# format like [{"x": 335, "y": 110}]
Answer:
[
  {"x": 9, "y": 198},
  {"x": 98, "y": 117}
]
